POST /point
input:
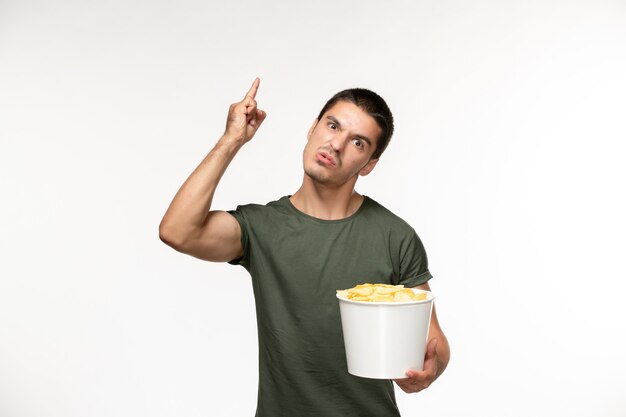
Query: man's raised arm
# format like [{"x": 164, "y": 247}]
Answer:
[{"x": 189, "y": 225}]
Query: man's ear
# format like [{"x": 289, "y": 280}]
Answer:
[
  {"x": 368, "y": 167},
  {"x": 308, "y": 136}
]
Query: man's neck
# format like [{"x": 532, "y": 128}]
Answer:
[{"x": 326, "y": 202}]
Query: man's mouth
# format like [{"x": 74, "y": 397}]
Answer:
[{"x": 326, "y": 159}]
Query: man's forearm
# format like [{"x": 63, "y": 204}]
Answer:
[{"x": 443, "y": 353}]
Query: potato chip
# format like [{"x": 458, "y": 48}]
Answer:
[
  {"x": 387, "y": 290},
  {"x": 362, "y": 291},
  {"x": 402, "y": 296}
]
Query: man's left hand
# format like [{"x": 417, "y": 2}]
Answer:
[{"x": 419, "y": 380}]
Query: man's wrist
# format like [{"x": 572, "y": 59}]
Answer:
[{"x": 230, "y": 143}]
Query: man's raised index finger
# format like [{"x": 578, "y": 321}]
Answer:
[{"x": 254, "y": 88}]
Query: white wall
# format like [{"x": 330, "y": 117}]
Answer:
[{"x": 508, "y": 159}]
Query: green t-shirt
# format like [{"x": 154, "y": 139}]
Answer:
[{"x": 297, "y": 262}]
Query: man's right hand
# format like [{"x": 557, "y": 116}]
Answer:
[{"x": 244, "y": 118}]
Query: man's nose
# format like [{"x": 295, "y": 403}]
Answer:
[{"x": 338, "y": 142}]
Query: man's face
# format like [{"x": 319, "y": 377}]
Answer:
[{"x": 341, "y": 144}]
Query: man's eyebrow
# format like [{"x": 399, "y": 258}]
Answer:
[
  {"x": 334, "y": 120},
  {"x": 363, "y": 138}
]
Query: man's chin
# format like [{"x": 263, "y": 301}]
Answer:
[
  {"x": 319, "y": 177},
  {"x": 324, "y": 179}
]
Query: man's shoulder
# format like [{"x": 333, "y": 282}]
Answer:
[
  {"x": 279, "y": 205},
  {"x": 377, "y": 212}
]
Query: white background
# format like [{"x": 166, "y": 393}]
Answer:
[{"x": 508, "y": 160}]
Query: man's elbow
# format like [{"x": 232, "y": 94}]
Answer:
[{"x": 169, "y": 236}]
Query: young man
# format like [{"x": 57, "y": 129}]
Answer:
[{"x": 301, "y": 248}]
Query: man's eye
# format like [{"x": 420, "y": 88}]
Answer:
[
  {"x": 332, "y": 126},
  {"x": 358, "y": 143}
]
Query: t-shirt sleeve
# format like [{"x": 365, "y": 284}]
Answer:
[
  {"x": 413, "y": 262},
  {"x": 240, "y": 215}
]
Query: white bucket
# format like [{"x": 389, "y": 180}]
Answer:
[{"x": 384, "y": 340}]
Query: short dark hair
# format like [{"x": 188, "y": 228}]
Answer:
[{"x": 372, "y": 104}]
